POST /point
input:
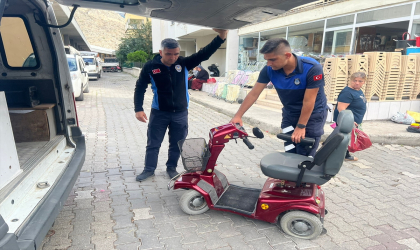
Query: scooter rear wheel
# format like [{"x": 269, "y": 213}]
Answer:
[
  {"x": 301, "y": 224},
  {"x": 192, "y": 202}
]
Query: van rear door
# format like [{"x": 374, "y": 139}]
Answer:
[{"x": 224, "y": 14}]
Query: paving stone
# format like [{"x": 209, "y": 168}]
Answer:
[
  {"x": 123, "y": 222},
  {"x": 125, "y": 236},
  {"x": 168, "y": 231},
  {"x": 173, "y": 243},
  {"x": 142, "y": 214},
  {"x": 275, "y": 236},
  {"x": 260, "y": 244},
  {"x": 237, "y": 242},
  {"x": 130, "y": 246},
  {"x": 150, "y": 241},
  {"x": 83, "y": 195}
]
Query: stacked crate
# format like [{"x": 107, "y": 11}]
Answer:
[
  {"x": 357, "y": 63},
  {"x": 416, "y": 87},
  {"x": 335, "y": 76},
  {"x": 392, "y": 76},
  {"x": 408, "y": 76},
  {"x": 376, "y": 77}
]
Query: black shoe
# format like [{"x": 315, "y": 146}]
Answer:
[
  {"x": 172, "y": 173},
  {"x": 144, "y": 175}
]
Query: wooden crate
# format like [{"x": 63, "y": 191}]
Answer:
[
  {"x": 416, "y": 87},
  {"x": 408, "y": 75},
  {"x": 335, "y": 76},
  {"x": 392, "y": 76},
  {"x": 376, "y": 77}
]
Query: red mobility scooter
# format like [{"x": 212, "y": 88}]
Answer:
[{"x": 291, "y": 196}]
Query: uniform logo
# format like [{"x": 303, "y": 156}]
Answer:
[
  {"x": 156, "y": 71},
  {"x": 178, "y": 68},
  {"x": 297, "y": 81},
  {"x": 318, "y": 77}
]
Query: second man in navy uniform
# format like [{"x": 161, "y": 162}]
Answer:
[
  {"x": 299, "y": 82},
  {"x": 168, "y": 74}
]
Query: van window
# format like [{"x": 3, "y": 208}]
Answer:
[
  {"x": 89, "y": 61},
  {"x": 15, "y": 44},
  {"x": 72, "y": 64}
]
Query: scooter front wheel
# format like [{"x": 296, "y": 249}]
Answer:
[
  {"x": 301, "y": 224},
  {"x": 192, "y": 202}
]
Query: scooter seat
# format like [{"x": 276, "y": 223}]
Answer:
[{"x": 284, "y": 166}]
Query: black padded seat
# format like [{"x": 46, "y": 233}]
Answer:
[{"x": 284, "y": 166}]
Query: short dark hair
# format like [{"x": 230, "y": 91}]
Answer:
[
  {"x": 273, "y": 44},
  {"x": 169, "y": 43}
]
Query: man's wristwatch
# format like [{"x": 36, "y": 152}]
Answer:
[{"x": 300, "y": 125}]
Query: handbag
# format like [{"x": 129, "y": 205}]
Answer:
[{"x": 359, "y": 141}]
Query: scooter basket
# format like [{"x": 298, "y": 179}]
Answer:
[{"x": 194, "y": 153}]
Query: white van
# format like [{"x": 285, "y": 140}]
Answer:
[
  {"x": 93, "y": 66},
  {"x": 79, "y": 76},
  {"x": 42, "y": 148}
]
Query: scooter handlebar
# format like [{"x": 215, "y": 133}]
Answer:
[
  {"x": 248, "y": 143},
  {"x": 304, "y": 142}
]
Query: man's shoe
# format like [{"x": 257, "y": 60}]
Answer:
[
  {"x": 144, "y": 175},
  {"x": 172, "y": 173}
]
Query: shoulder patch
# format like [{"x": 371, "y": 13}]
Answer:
[{"x": 318, "y": 77}]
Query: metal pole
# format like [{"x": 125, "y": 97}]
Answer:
[
  {"x": 323, "y": 37},
  {"x": 353, "y": 35}
]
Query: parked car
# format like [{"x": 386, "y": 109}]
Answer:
[
  {"x": 79, "y": 76},
  {"x": 42, "y": 148},
  {"x": 93, "y": 66}
]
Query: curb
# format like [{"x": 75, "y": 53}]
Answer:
[{"x": 380, "y": 139}]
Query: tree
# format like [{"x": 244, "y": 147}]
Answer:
[
  {"x": 138, "y": 56},
  {"x": 139, "y": 39}
]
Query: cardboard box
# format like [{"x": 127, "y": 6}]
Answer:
[{"x": 33, "y": 124}]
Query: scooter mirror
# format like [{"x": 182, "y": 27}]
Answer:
[{"x": 257, "y": 133}]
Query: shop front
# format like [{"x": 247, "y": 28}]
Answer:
[{"x": 372, "y": 30}]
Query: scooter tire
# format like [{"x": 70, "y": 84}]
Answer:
[
  {"x": 294, "y": 224},
  {"x": 192, "y": 202}
]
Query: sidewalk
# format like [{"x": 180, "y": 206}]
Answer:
[{"x": 269, "y": 119}]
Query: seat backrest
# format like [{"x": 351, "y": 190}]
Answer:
[{"x": 345, "y": 124}]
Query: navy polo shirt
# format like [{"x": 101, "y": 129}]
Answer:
[
  {"x": 291, "y": 88},
  {"x": 357, "y": 103}
]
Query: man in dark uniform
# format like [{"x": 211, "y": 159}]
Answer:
[
  {"x": 168, "y": 75},
  {"x": 299, "y": 82}
]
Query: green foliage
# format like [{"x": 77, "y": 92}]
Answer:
[
  {"x": 139, "y": 39},
  {"x": 138, "y": 56}
]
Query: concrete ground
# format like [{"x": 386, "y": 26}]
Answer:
[{"x": 372, "y": 203}]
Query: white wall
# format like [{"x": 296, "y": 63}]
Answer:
[
  {"x": 218, "y": 57},
  {"x": 232, "y": 48},
  {"x": 188, "y": 47}
]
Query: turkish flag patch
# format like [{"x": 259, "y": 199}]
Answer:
[
  {"x": 155, "y": 71},
  {"x": 318, "y": 77}
]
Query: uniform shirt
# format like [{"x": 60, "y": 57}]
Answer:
[
  {"x": 170, "y": 84},
  {"x": 291, "y": 88},
  {"x": 357, "y": 101}
]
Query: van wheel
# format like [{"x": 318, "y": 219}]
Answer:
[
  {"x": 81, "y": 97},
  {"x": 87, "y": 87}
]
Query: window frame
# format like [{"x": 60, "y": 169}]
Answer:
[{"x": 31, "y": 39}]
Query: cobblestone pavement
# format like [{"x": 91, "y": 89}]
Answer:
[{"x": 372, "y": 203}]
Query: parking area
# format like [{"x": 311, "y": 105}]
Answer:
[{"x": 373, "y": 203}]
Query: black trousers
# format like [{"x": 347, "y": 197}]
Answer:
[
  {"x": 159, "y": 122},
  {"x": 314, "y": 129}
]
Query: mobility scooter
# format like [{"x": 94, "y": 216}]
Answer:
[{"x": 291, "y": 196}]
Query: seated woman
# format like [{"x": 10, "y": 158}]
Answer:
[
  {"x": 201, "y": 77},
  {"x": 353, "y": 98}
]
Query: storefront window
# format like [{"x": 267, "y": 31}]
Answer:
[
  {"x": 265, "y": 35},
  {"x": 306, "y": 39},
  {"x": 337, "y": 42},
  {"x": 416, "y": 22},
  {"x": 340, "y": 21},
  {"x": 248, "y": 46},
  {"x": 379, "y": 37},
  {"x": 383, "y": 14}
]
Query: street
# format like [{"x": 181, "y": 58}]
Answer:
[{"x": 373, "y": 203}]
